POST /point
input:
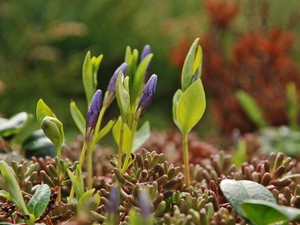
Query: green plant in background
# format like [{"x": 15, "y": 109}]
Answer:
[
  {"x": 189, "y": 102},
  {"x": 252, "y": 109},
  {"x": 280, "y": 139},
  {"x": 292, "y": 105}
]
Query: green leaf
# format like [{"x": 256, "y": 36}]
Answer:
[
  {"x": 198, "y": 62},
  {"x": 176, "y": 98},
  {"x": 187, "y": 69},
  {"x": 88, "y": 79},
  {"x": 122, "y": 95},
  {"x": 127, "y": 135},
  {"x": 42, "y": 110},
  {"x": 131, "y": 58},
  {"x": 104, "y": 131},
  {"x": 84, "y": 199},
  {"x": 251, "y": 108},
  {"x": 53, "y": 129},
  {"x": 238, "y": 191},
  {"x": 138, "y": 79},
  {"x": 15, "y": 124},
  {"x": 79, "y": 191},
  {"x": 239, "y": 155},
  {"x": 77, "y": 117},
  {"x": 6, "y": 195},
  {"x": 141, "y": 136},
  {"x": 191, "y": 106},
  {"x": 13, "y": 187},
  {"x": 39, "y": 201},
  {"x": 261, "y": 212}
]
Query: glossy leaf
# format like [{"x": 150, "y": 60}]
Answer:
[
  {"x": 127, "y": 135},
  {"x": 261, "y": 212},
  {"x": 104, "y": 131},
  {"x": 39, "y": 201},
  {"x": 77, "y": 117},
  {"x": 13, "y": 187},
  {"x": 191, "y": 106},
  {"x": 187, "y": 69},
  {"x": 15, "y": 124},
  {"x": 138, "y": 80},
  {"x": 122, "y": 95},
  {"x": 176, "y": 98},
  {"x": 238, "y": 191},
  {"x": 141, "y": 136},
  {"x": 42, "y": 110}
]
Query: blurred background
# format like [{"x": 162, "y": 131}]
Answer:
[{"x": 249, "y": 45}]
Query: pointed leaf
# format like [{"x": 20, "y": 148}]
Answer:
[
  {"x": 251, "y": 108},
  {"x": 191, "y": 106},
  {"x": 88, "y": 78},
  {"x": 138, "y": 79},
  {"x": 176, "y": 98},
  {"x": 187, "y": 69},
  {"x": 77, "y": 187},
  {"x": 39, "y": 201},
  {"x": 127, "y": 134},
  {"x": 262, "y": 212},
  {"x": 238, "y": 191},
  {"x": 104, "y": 131},
  {"x": 15, "y": 124},
  {"x": 84, "y": 198},
  {"x": 77, "y": 117},
  {"x": 6, "y": 195},
  {"x": 13, "y": 187},
  {"x": 197, "y": 66},
  {"x": 141, "y": 136},
  {"x": 42, "y": 110}
]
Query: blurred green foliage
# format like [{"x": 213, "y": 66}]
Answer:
[{"x": 43, "y": 44}]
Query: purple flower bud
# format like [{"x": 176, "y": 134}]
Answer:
[
  {"x": 147, "y": 95},
  {"x": 111, "y": 89},
  {"x": 145, "y": 205},
  {"x": 146, "y": 51},
  {"x": 94, "y": 110},
  {"x": 113, "y": 201},
  {"x": 112, "y": 83}
]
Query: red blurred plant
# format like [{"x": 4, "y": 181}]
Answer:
[{"x": 260, "y": 63}]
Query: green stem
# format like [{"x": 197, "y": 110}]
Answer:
[
  {"x": 83, "y": 151},
  {"x": 186, "y": 160},
  {"x": 81, "y": 159},
  {"x": 120, "y": 147},
  {"x": 58, "y": 151},
  {"x": 128, "y": 153},
  {"x": 89, "y": 168}
]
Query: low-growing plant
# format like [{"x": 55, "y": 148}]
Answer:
[{"x": 141, "y": 186}]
